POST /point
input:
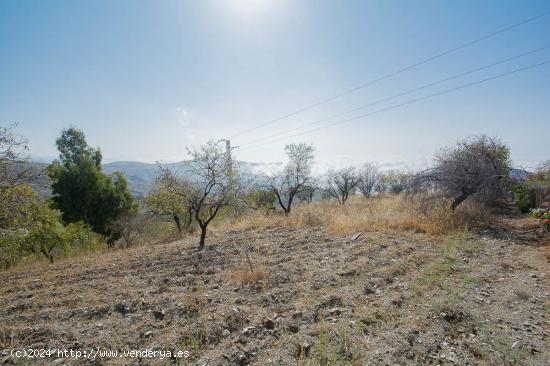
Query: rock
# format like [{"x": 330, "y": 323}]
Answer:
[
  {"x": 334, "y": 311},
  {"x": 159, "y": 314},
  {"x": 516, "y": 345},
  {"x": 412, "y": 336},
  {"x": 355, "y": 236},
  {"x": 303, "y": 349},
  {"x": 247, "y": 330},
  {"x": 452, "y": 357},
  {"x": 122, "y": 308},
  {"x": 293, "y": 327},
  {"x": 148, "y": 333},
  {"x": 226, "y": 333},
  {"x": 269, "y": 323}
]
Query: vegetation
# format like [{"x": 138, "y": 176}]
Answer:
[
  {"x": 369, "y": 177},
  {"x": 216, "y": 186},
  {"x": 296, "y": 176},
  {"x": 342, "y": 183},
  {"x": 28, "y": 226},
  {"x": 81, "y": 191},
  {"x": 476, "y": 168}
]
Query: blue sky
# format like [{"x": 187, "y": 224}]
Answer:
[{"x": 144, "y": 79}]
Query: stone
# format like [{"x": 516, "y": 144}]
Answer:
[
  {"x": 159, "y": 314},
  {"x": 269, "y": 323},
  {"x": 356, "y": 236}
]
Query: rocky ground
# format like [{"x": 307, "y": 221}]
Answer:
[{"x": 373, "y": 298}]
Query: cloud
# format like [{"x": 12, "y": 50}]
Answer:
[{"x": 182, "y": 116}]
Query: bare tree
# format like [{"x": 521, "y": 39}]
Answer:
[
  {"x": 342, "y": 183},
  {"x": 296, "y": 175},
  {"x": 13, "y": 157},
  {"x": 306, "y": 194},
  {"x": 130, "y": 225},
  {"x": 369, "y": 176},
  {"x": 477, "y": 168},
  {"x": 214, "y": 185}
]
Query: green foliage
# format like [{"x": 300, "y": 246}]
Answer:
[
  {"x": 29, "y": 227},
  {"x": 260, "y": 199},
  {"x": 542, "y": 214},
  {"x": 522, "y": 193},
  {"x": 82, "y": 191}
]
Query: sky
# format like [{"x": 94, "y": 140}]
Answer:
[{"x": 145, "y": 79}]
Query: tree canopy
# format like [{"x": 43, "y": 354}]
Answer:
[{"x": 81, "y": 191}]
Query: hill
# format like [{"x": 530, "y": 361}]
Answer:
[
  {"x": 140, "y": 176},
  {"x": 314, "y": 298}
]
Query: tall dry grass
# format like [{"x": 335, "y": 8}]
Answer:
[{"x": 387, "y": 213}]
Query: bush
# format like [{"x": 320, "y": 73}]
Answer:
[
  {"x": 543, "y": 215},
  {"x": 523, "y": 200}
]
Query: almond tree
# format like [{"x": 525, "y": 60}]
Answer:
[
  {"x": 295, "y": 177},
  {"x": 341, "y": 183},
  {"x": 209, "y": 185},
  {"x": 369, "y": 177}
]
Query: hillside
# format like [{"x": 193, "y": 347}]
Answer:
[
  {"x": 374, "y": 298},
  {"x": 140, "y": 176}
]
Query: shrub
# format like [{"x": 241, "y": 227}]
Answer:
[
  {"x": 543, "y": 215},
  {"x": 523, "y": 201}
]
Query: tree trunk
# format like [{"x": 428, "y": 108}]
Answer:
[
  {"x": 203, "y": 236},
  {"x": 458, "y": 200},
  {"x": 177, "y": 221}
]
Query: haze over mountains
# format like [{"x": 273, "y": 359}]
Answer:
[{"x": 140, "y": 176}]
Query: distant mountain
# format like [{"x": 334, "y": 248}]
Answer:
[
  {"x": 518, "y": 174},
  {"x": 140, "y": 176}
]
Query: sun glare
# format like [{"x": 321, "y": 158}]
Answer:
[{"x": 250, "y": 10}]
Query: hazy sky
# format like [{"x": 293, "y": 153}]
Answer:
[{"x": 144, "y": 79}]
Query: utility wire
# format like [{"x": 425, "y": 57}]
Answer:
[
  {"x": 394, "y": 73},
  {"x": 395, "y": 106},
  {"x": 402, "y": 94}
]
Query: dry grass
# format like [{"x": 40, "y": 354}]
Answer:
[
  {"x": 388, "y": 213},
  {"x": 248, "y": 276}
]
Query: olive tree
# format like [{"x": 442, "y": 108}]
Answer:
[
  {"x": 341, "y": 183},
  {"x": 295, "y": 176},
  {"x": 476, "y": 168}
]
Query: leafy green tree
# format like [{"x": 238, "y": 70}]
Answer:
[
  {"x": 162, "y": 201},
  {"x": 81, "y": 191}
]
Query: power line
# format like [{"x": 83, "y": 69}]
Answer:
[
  {"x": 394, "y": 73},
  {"x": 395, "y": 106},
  {"x": 370, "y": 104}
]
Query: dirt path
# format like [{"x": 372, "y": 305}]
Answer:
[{"x": 378, "y": 299}]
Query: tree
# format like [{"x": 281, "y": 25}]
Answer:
[
  {"x": 13, "y": 158},
  {"x": 215, "y": 185},
  {"x": 395, "y": 181},
  {"x": 296, "y": 175},
  {"x": 258, "y": 198},
  {"x": 368, "y": 179},
  {"x": 130, "y": 225},
  {"x": 306, "y": 194},
  {"x": 341, "y": 183},
  {"x": 163, "y": 202},
  {"x": 81, "y": 191},
  {"x": 476, "y": 168}
]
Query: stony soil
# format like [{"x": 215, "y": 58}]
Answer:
[{"x": 369, "y": 299}]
